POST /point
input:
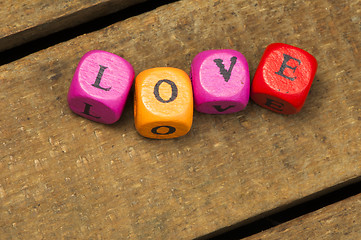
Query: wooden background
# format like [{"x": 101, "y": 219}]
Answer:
[{"x": 65, "y": 177}]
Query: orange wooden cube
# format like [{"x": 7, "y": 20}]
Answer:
[{"x": 163, "y": 103}]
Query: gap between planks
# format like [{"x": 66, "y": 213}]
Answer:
[
  {"x": 309, "y": 205},
  {"x": 55, "y": 37}
]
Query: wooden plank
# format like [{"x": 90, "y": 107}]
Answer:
[
  {"x": 24, "y": 21},
  {"x": 62, "y": 176},
  {"x": 338, "y": 221}
]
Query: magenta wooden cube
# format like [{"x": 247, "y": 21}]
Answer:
[
  {"x": 220, "y": 81},
  {"x": 100, "y": 86}
]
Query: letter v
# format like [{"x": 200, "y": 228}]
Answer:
[
  {"x": 220, "y": 109},
  {"x": 226, "y": 74}
]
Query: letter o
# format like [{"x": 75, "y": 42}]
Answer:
[
  {"x": 170, "y": 130},
  {"x": 174, "y": 91}
]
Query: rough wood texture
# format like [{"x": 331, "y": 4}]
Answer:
[
  {"x": 26, "y": 20},
  {"x": 64, "y": 176},
  {"x": 338, "y": 221}
]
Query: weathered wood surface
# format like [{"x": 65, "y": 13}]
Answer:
[
  {"x": 26, "y": 20},
  {"x": 62, "y": 176},
  {"x": 338, "y": 221}
]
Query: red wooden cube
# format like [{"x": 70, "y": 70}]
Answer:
[{"x": 283, "y": 78}]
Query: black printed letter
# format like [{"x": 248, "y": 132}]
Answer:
[
  {"x": 274, "y": 104},
  {"x": 226, "y": 74},
  {"x": 174, "y": 91},
  {"x": 86, "y": 110},
  {"x": 99, "y": 77},
  {"x": 286, "y": 58},
  {"x": 170, "y": 130},
  {"x": 220, "y": 109}
]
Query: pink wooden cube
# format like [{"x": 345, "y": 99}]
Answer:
[
  {"x": 100, "y": 86},
  {"x": 220, "y": 81}
]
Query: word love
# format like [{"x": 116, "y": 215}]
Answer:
[{"x": 218, "y": 81}]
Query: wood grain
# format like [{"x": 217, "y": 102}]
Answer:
[
  {"x": 338, "y": 221},
  {"x": 26, "y": 20},
  {"x": 62, "y": 176}
]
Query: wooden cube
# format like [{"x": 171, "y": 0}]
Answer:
[
  {"x": 283, "y": 78},
  {"x": 163, "y": 103},
  {"x": 220, "y": 81},
  {"x": 100, "y": 86}
]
